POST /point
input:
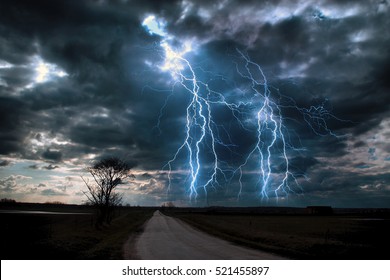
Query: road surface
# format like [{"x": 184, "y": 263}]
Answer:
[{"x": 167, "y": 238}]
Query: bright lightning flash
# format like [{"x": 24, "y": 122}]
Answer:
[
  {"x": 271, "y": 140},
  {"x": 200, "y": 128},
  {"x": 202, "y": 133}
]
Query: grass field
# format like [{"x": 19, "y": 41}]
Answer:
[
  {"x": 74, "y": 236},
  {"x": 301, "y": 236},
  {"x": 67, "y": 236}
]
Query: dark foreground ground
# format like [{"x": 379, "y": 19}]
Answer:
[
  {"x": 72, "y": 235},
  {"x": 346, "y": 234},
  {"x": 292, "y": 233}
]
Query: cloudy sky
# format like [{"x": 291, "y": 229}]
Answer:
[{"x": 82, "y": 80}]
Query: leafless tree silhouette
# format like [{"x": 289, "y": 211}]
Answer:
[{"x": 107, "y": 173}]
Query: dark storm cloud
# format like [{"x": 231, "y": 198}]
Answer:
[
  {"x": 4, "y": 163},
  {"x": 349, "y": 189},
  {"x": 331, "y": 53},
  {"x": 13, "y": 115},
  {"x": 85, "y": 40},
  {"x": 299, "y": 165},
  {"x": 346, "y": 48},
  {"x": 52, "y": 155},
  {"x": 50, "y": 167},
  {"x": 95, "y": 44},
  {"x": 33, "y": 166}
]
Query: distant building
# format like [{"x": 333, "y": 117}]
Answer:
[{"x": 319, "y": 210}]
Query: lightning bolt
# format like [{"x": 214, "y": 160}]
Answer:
[
  {"x": 270, "y": 133},
  {"x": 202, "y": 133}
]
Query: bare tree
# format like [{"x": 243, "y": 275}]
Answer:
[{"x": 107, "y": 173}]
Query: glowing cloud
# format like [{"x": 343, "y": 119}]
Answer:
[
  {"x": 154, "y": 26},
  {"x": 46, "y": 71}
]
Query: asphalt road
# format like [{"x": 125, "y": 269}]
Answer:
[{"x": 167, "y": 238}]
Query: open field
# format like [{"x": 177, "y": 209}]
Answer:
[
  {"x": 70, "y": 235},
  {"x": 289, "y": 232},
  {"x": 341, "y": 236}
]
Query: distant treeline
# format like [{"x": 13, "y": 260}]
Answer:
[
  {"x": 7, "y": 201},
  {"x": 12, "y": 204}
]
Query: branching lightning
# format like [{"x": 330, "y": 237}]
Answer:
[
  {"x": 202, "y": 133},
  {"x": 199, "y": 123},
  {"x": 269, "y": 132}
]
